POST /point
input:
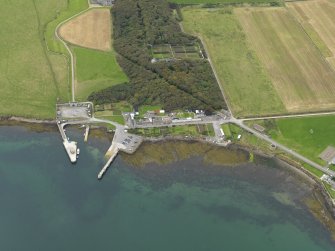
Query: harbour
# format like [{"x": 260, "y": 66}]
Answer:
[{"x": 196, "y": 205}]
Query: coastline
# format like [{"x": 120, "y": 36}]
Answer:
[{"x": 319, "y": 191}]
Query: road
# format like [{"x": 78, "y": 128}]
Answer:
[{"x": 239, "y": 122}]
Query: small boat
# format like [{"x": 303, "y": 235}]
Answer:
[{"x": 78, "y": 151}]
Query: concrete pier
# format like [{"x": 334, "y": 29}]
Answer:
[
  {"x": 70, "y": 146},
  {"x": 86, "y": 133},
  {"x": 111, "y": 153},
  {"x": 71, "y": 149}
]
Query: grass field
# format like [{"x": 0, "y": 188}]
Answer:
[
  {"x": 96, "y": 70},
  {"x": 308, "y": 136},
  {"x": 245, "y": 82},
  {"x": 303, "y": 79},
  {"x": 31, "y": 78},
  {"x": 73, "y": 7},
  {"x": 319, "y": 16},
  {"x": 92, "y": 29}
]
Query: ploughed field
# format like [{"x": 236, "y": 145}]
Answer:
[
  {"x": 91, "y": 29},
  {"x": 319, "y": 17},
  {"x": 303, "y": 79}
]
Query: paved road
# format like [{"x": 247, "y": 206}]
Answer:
[{"x": 180, "y": 123}]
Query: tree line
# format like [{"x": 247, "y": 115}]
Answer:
[{"x": 180, "y": 84}]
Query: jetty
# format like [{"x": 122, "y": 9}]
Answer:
[
  {"x": 87, "y": 130},
  {"x": 111, "y": 153}
]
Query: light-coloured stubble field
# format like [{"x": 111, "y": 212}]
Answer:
[
  {"x": 302, "y": 77},
  {"x": 320, "y": 15},
  {"x": 92, "y": 29}
]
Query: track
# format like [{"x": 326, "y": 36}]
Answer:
[{"x": 73, "y": 76}]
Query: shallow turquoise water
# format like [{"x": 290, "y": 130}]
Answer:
[{"x": 49, "y": 204}]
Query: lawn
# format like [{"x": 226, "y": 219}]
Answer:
[
  {"x": 110, "y": 115},
  {"x": 302, "y": 77},
  {"x": 308, "y": 136},
  {"x": 31, "y": 78},
  {"x": 246, "y": 84},
  {"x": 145, "y": 108},
  {"x": 96, "y": 70},
  {"x": 116, "y": 118}
]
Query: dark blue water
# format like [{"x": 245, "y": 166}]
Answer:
[{"x": 49, "y": 204}]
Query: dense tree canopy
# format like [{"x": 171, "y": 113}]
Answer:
[{"x": 180, "y": 84}]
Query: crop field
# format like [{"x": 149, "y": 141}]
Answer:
[
  {"x": 320, "y": 16},
  {"x": 303, "y": 79},
  {"x": 308, "y": 136},
  {"x": 96, "y": 70},
  {"x": 92, "y": 29},
  {"x": 246, "y": 84},
  {"x": 31, "y": 78},
  {"x": 222, "y": 1}
]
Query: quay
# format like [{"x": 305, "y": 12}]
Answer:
[
  {"x": 70, "y": 146},
  {"x": 122, "y": 141}
]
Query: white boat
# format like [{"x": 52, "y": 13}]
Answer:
[{"x": 78, "y": 151}]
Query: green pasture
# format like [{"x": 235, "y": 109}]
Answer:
[
  {"x": 96, "y": 70},
  {"x": 32, "y": 79},
  {"x": 247, "y": 85},
  {"x": 308, "y": 136}
]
